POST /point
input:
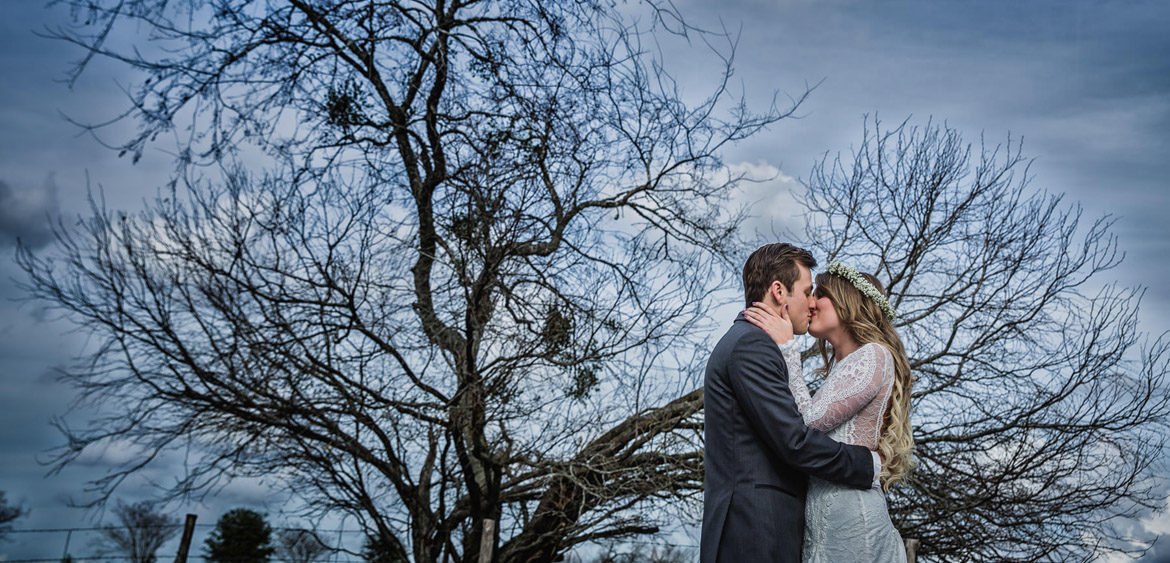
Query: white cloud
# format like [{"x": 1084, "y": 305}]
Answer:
[
  {"x": 770, "y": 197},
  {"x": 110, "y": 453},
  {"x": 1159, "y": 522},
  {"x": 251, "y": 492}
]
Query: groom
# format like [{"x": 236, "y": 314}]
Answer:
[{"x": 759, "y": 453}]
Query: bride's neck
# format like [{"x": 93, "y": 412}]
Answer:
[{"x": 843, "y": 344}]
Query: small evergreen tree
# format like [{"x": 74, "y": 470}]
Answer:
[{"x": 240, "y": 536}]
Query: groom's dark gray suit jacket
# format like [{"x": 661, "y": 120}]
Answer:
[{"x": 759, "y": 453}]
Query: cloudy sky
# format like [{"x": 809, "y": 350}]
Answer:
[{"x": 1085, "y": 84}]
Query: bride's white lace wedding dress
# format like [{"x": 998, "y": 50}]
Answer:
[{"x": 843, "y": 524}]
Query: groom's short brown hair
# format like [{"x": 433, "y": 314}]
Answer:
[{"x": 773, "y": 262}]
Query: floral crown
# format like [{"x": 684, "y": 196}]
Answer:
[{"x": 867, "y": 289}]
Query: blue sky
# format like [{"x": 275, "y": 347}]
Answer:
[{"x": 1085, "y": 84}]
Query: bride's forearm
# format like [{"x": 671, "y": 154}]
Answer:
[{"x": 791, "y": 352}]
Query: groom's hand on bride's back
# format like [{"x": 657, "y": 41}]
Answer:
[{"x": 877, "y": 469}]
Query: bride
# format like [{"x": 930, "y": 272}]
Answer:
[{"x": 864, "y": 400}]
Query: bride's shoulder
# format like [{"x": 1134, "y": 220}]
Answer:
[
  {"x": 873, "y": 351},
  {"x": 868, "y": 349}
]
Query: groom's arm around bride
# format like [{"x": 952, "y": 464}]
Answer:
[{"x": 758, "y": 450}]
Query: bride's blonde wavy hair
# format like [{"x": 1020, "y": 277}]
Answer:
[{"x": 866, "y": 323}]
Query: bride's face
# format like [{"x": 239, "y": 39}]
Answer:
[{"x": 824, "y": 319}]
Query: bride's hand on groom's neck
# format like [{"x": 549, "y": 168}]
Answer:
[{"x": 772, "y": 321}]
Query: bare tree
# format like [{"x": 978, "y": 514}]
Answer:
[
  {"x": 300, "y": 546},
  {"x": 8, "y": 513},
  {"x": 1039, "y": 408},
  {"x": 141, "y": 532},
  {"x": 466, "y": 279}
]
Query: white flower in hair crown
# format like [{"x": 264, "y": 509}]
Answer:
[{"x": 867, "y": 289}]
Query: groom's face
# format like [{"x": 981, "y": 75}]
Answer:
[{"x": 799, "y": 300}]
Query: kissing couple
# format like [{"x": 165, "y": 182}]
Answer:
[{"x": 792, "y": 477}]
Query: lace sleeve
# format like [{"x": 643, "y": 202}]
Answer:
[
  {"x": 791, "y": 352},
  {"x": 851, "y": 385}
]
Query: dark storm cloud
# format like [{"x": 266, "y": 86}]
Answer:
[{"x": 27, "y": 214}]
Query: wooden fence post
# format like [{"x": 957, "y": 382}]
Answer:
[{"x": 185, "y": 543}]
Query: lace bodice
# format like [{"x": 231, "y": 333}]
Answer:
[{"x": 851, "y": 403}]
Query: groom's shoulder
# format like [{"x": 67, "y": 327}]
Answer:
[{"x": 742, "y": 333}]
